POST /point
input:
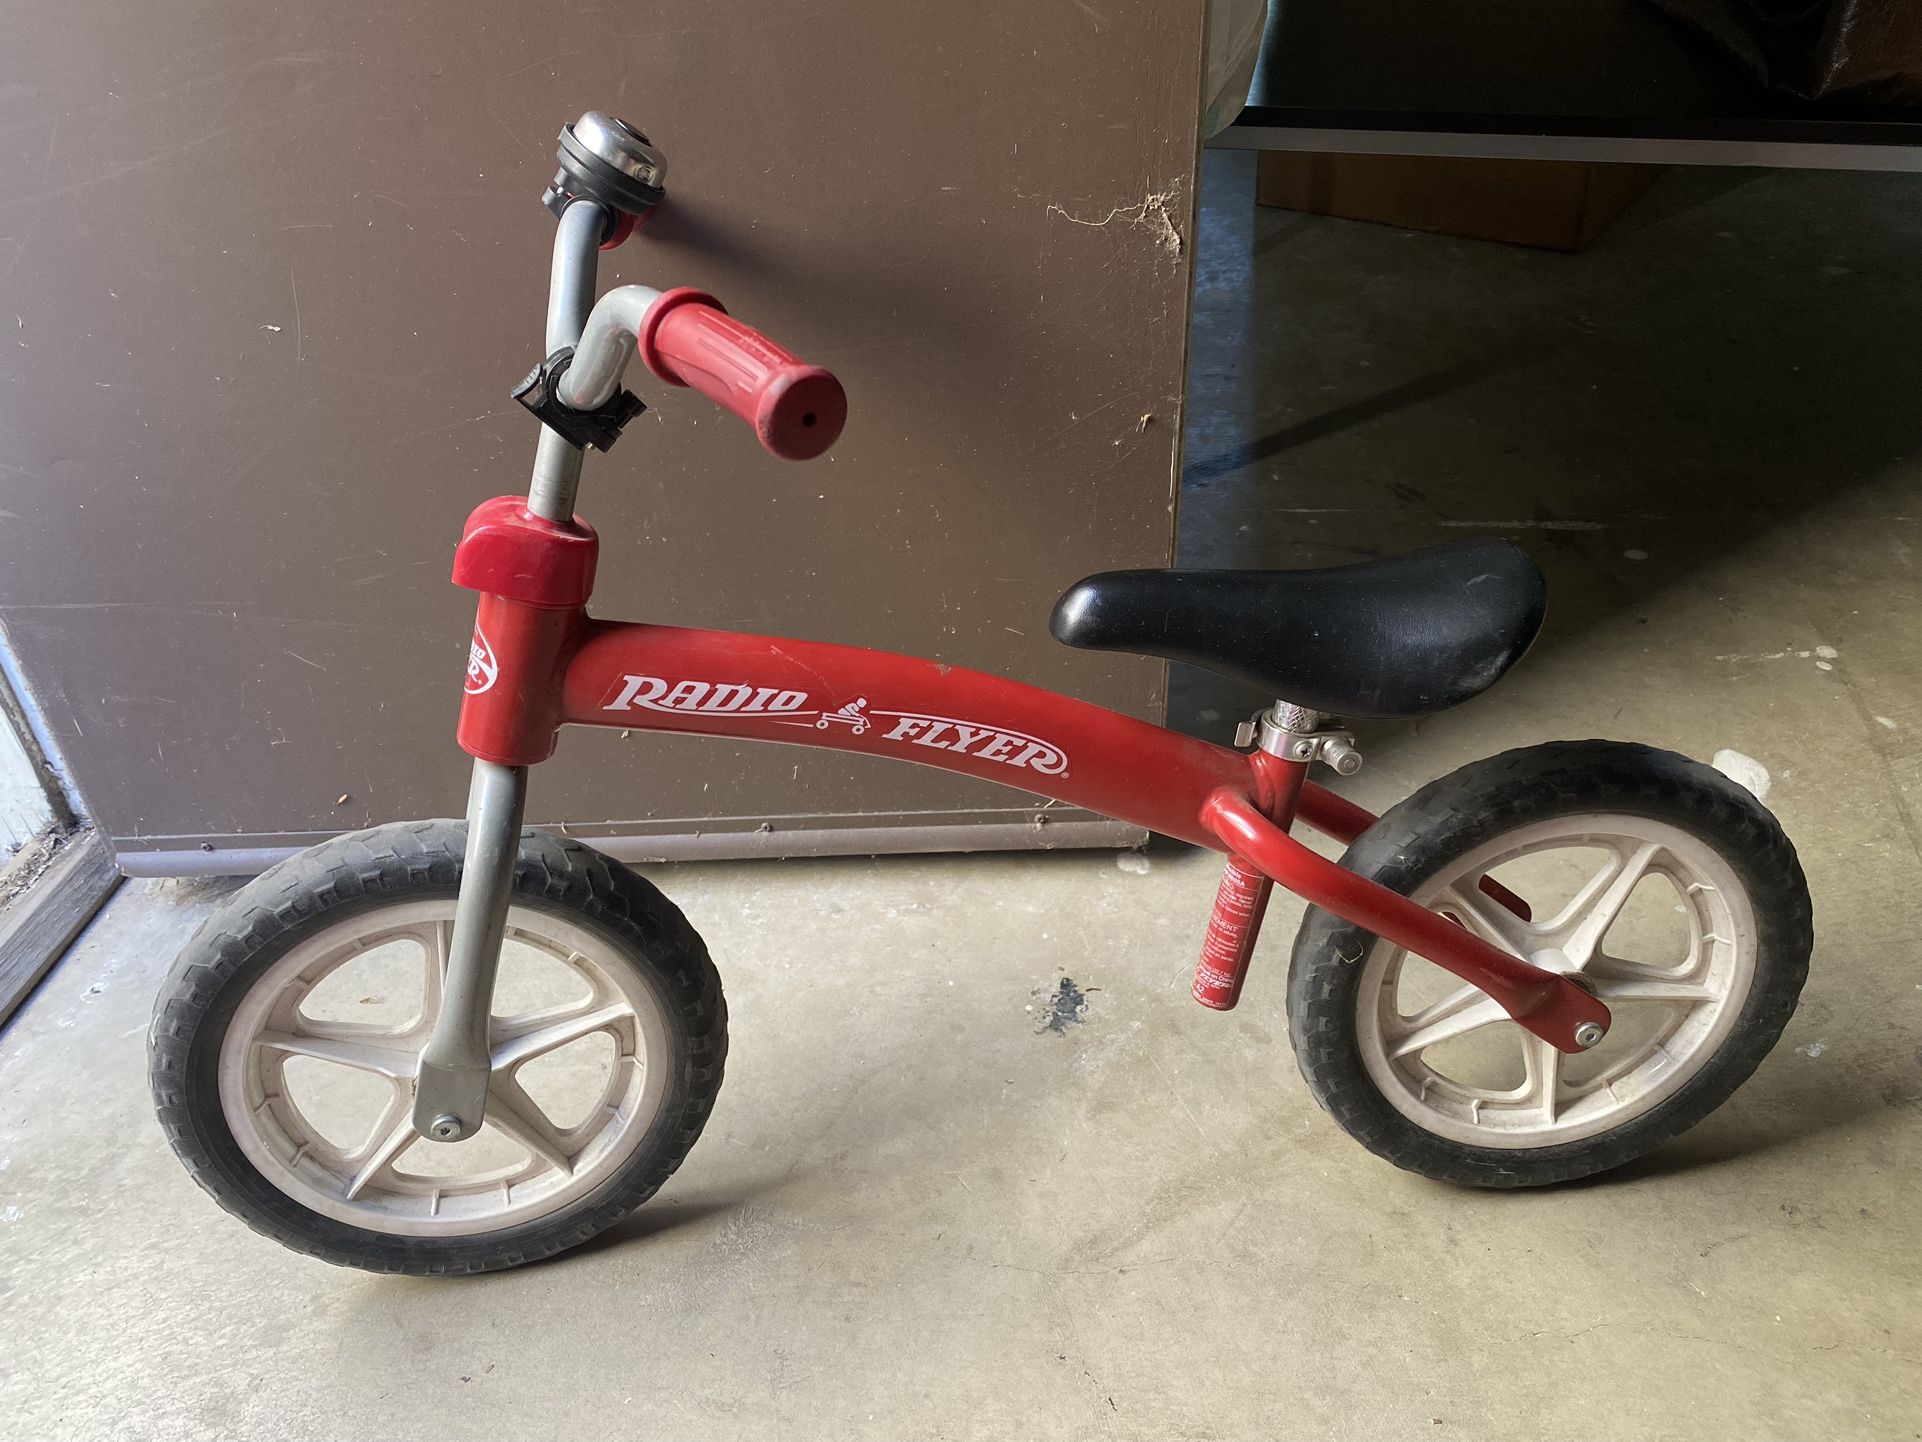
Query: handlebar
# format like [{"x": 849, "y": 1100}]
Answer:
[
  {"x": 609, "y": 179},
  {"x": 687, "y": 339}
]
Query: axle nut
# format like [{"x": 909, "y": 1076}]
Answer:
[
  {"x": 446, "y": 1128},
  {"x": 1588, "y": 1034}
]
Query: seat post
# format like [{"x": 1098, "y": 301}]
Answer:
[
  {"x": 1296, "y": 736},
  {"x": 1228, "y": 945},
  {"x": 1297, "y": 719}
]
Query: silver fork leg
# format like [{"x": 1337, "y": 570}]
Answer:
[{"x": 450, "y": 1094}]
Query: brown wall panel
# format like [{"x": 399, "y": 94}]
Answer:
[{"x": 267, "y": 272}]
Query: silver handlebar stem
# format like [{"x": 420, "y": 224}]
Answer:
[
  {"x": 570, "y": 298},
  {"x": 570, "y": 285},
  {"x": 557, "y": 478}
]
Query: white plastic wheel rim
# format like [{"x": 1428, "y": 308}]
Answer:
[
  {"x": 363, "y": 1186},
  {"x": 1703, "y": 995}
]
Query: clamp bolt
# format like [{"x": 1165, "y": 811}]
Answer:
[
  {"x": 446, "y": 1128},
  {"x": 1339, "y": 756},
  {"x": 1588, "y": 1034}
]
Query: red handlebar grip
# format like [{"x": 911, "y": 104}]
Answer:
[{"x": 797, "y": 410}]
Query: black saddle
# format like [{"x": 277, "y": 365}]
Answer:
[{"x": 1400, "y": 637}]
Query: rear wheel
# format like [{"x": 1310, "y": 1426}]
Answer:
[
  {"x": 284, "y": 1049},
  {"x": 1655, "y": 882}
]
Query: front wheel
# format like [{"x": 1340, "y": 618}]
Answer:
[
  {"x": 284, "y": 1047},
  {"x": 1655, "y": 882}
]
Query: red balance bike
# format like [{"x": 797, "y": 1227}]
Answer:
[{"x": 443, "y": 1046}]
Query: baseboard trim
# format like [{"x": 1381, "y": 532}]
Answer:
[
  {"x": 718, "y": 845},
  {"x": 38, "y": 925}
]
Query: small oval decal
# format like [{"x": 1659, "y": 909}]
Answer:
[{"x": 482, "y": 669}]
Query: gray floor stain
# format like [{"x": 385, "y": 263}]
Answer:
[{"x": 1065, "y": 1006}]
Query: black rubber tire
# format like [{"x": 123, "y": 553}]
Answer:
[
  {"x": 1472, "y": 807},
  {"x": 408, "y": 862}
]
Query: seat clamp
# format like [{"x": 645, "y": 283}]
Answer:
[{"x": 1295, "y": 733}]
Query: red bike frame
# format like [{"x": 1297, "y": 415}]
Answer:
[{"x": 539, "y": 662}]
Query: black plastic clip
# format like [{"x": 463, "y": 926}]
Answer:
[{"x": 598, "y": 428}]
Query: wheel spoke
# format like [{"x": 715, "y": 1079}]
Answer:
[
  {"x": 1485, "y": 918},
  {"x": 393, "y": 1134},
  {"x": 436, "y": 939},
  {"x": 523, "y": 1038},
  {"x": 388, "y": 1061},
  {"x": 1616, "y": 981},
  {"x": 1542, "y": 1090},
  {"x": 1454, "y": 1015},
  {"x": 516, "y": 1114},
  {"x": 1588, "y": 917}
]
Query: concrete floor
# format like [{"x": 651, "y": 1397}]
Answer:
[{"x": 917, "y": 1214}]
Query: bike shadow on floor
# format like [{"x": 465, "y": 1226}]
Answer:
[
  {"x": 655, "y": 1218},
  {"x": 1761, "y": 1120}
]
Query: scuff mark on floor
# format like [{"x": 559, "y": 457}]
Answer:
[
  {"x": 1745, "y": 771},
  {"x": 1826, "y": 653}
]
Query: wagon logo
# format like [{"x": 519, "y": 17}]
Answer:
[
  {"x": 854, "y": 716},
  {"x": 985, "y": 743},
  {"x": 704, "y": 698},
  {"x": 482, "y": 669}
]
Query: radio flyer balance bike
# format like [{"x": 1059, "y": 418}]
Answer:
[{"x": 444, "y": 1046}]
